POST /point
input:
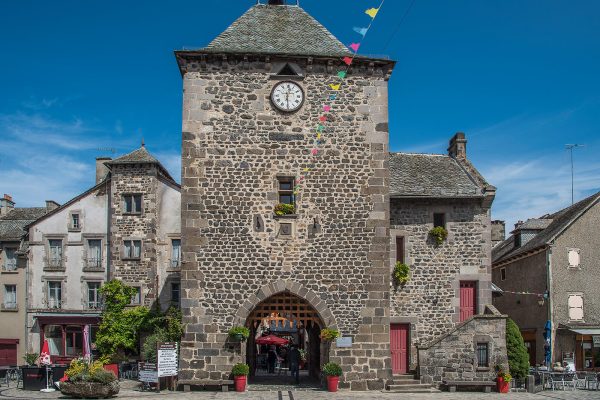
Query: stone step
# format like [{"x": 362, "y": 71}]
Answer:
[
  {"x": 404, "y": 387},
  {"x": 417, "y": 390},
  {"x": 401, "y": 377},
  {"x": 405, "y": 381}
]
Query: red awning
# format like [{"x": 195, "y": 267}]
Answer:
[
  {"x": 9, "y": 341},
  {"x": 68, "y": 319},
  {"x": 271, "y": 339}
]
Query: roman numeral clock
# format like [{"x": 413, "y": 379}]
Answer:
[{"x": 287, "y": 96}]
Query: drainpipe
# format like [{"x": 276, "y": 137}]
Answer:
[
  {"x": 550, "y": 298},
  {"x": 108, "y": 224},
  {"x": 27, "y": 300}
]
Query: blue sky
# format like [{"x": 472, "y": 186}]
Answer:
[{"x": 520, "y": 78}]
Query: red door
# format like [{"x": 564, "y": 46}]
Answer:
[
  {"x": 8, "y": 354},
  {"x": 399, "y": 348},
  {"x": 468, "y": 301}
]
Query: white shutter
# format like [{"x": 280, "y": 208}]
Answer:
[
  {"x": 574, "y": 258},
  {"x": 575, "y": 307}
]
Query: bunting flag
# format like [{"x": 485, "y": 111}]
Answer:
[{"x": 327, "y": 108}]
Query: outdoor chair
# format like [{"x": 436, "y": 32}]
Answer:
[
  {"x": 580, "y": 380},
  {"x": 556, "y": 379},
  {"x": 590, "y": 381}
]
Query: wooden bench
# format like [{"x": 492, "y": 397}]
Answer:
[
  {"x": 453, "y": 385},
  {"x": 187, "y": 384}
]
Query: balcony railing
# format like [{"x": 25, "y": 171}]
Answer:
[
  {"x": 93, "y": 263},
  {"x": 55, "y": 263},
  {"x": 10, "y": 265},
  {"x": 175, "y": 263},
  {"x": 53, "y": 303},
  {"x": 94, "y": 305}
]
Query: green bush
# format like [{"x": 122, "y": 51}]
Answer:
[
  {"x": 239, "y": 330},
  {"x": 240, "y": 370},
  {"x": 439, "y": 234},
  {"x": 31, "y": 358},
  {"x": 84, "y": 371},
  {"x": 518, "y": 357},
  {"x": 401, "y": 273},
  {"x": 329, "y": 334},
  {"x": 332, "y": 369},
  {"x": 284, "y": 209}
]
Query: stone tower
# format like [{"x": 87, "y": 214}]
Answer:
[{"x": 245, "y": 145}]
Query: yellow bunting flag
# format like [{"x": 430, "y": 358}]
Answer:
[
  {"x": 335, "y": 87},
  {"x": 372, "y": 12}
]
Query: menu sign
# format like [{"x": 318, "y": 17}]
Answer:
[
  {"x": 147, "y": 372},
  {"x": 596, "y": 339},
  {"x": 167, "y": 359}
]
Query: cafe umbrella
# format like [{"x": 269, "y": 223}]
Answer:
[
  {"x": 271, "y": 340},
  {"x": 45, "y": 360}
]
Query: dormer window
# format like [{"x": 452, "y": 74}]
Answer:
[{"x": 517, "y": 239}]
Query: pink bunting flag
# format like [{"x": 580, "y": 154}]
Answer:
[
  {"x": 326, "y": 108},
  {"x": 314, "y": 152},
  {"x": 322, "y": 118},
  {"x": 354, "y": 46},
  {"x": 348, "y": 60}
]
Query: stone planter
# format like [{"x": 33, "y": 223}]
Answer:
[{"x": 89, "y": 390}]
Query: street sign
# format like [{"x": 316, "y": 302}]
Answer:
[
  {"x": 167, "y": 359},
  {"x": 147, "y": 372},
  {"x": 596, "y": 340},
  {"x": 345, "y": 341}
]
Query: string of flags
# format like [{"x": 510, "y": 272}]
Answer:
[{"x": 335, "y": 88}]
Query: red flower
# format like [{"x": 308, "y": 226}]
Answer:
[{"x": 64, "y": 379}]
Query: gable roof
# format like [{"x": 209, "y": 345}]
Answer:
[
  {"x": 265, "y": 29},
  {"x": 12, "y": 225},
  {"x": 141, "y": 156},
  {"x": 561, "y": 220},
  {"x": 431, "y": 175}
]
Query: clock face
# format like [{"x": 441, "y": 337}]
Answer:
[{"x": 287, "y": 96}]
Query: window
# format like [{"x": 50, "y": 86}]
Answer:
[
  {"x": 175, "y": 293},
  {"x": 55, "y": 247},
  {"x": 94, "y": 256},
  {"x": 502, "y": 274},
  {"x": 93, "y": 290},
  {"x": 137, "y": 297},
  {"x": 10, "y": 259},
  {"x": 574, "y": 258},
  {"x": 400, "y": 249},
  {"x": 439, "y": 219},
  {"x": 286, "y": 190},
  {"x": 53, "y": 334},
  {"x": 132, "y": 203},
  {"x": 10, "y": 297},
  {"x": 74, "y": 340},
  {"x": 483, "y": 360},
  {"x": 175, "y": 253},
  {"x": 132, "y": 249},
  {"x": 575, "y": 307},
  {"x": 75, "y": 221},
  {"x": 54, "y": 294}
]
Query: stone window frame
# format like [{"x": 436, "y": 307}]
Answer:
[
  {"x": 84, "y": 256},
  {"x": 63, "y": 262},
  {"x": 63, "y": 290},
  {"x": 503, "y": 273},
  {"x": 408, "y": 260},
  {"x": 479, "y": 338},
  {"x": 444, "y": 217},
  {"x": 569, "y": 265},
  {"x": 170, "y": 238},
  {"x": 4, "y": 291},
  {"x": 122, "y": 252},
  {"x": 70, "y": 226},
  {"x": 171, "y": 302},
  {"x": 292, "y": 224},
  {"x": 142, "y": 297},
  {"x": 279, "y": 178},
  {"x": 85, "y": 280},
  {"x": 482, "y": 285},
  {"x": 124, "y": 204},
  {"x": 4, "y": 258},
  {"x": 448, "y": 224}
]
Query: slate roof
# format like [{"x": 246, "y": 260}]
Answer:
[
  {"x": 265, "y": 29},
  {"x": 141, "y": 156},
  {"x": 430, "y": 175},
  {"x": 560, "y": 221},
  {"x": 12, "y": 225},
  {"x": 536, "y": 224}
]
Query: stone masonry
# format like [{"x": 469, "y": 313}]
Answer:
[{"x": 235, "y": 145}]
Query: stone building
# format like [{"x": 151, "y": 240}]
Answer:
[
  {"x": 555, "y": 255},
  {"x": 13, "y": 339},
  {"x": 124, "y": 227},
  {"x": 329, "y": 263}
]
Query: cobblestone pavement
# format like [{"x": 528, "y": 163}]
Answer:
[{"x": 130, "y": 391}]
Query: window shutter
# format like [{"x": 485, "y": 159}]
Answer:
[
  {"x": 574, "y": 258},
  {"x": 575, "y": 307}
]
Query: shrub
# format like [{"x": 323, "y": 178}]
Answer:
[
  {"x": 329, "y": 334},
  {"x": 332, "y": 369},
  {"x": 239, "y": 330},
  {"x": 518, "y": 357},
  {"x": 439, "y": 234},
  {"x": 240, "y": 370},
  {"x": 505, "y": 376},
  {"x": 401, "y": 273},
  {"x": 284, "y": 209},
  {"x": 84, "y": 371},
  {"x": 31, "y": 358}
]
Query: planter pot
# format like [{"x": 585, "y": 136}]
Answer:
[
  {"x": 114, "y": 368},
  {"x": 240, "y": 383},
  {"x": 89, "y": 390},
  {"x": 502, "y": 386},
  {"x": 238, "y": 337},
  {"x": 34, "y": 377},
  {"x": 332, "y": 383}
]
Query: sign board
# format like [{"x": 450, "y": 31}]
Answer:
[
  {"x": 147, "y": 372},
  {"x": 345, "y": 341},
  {"x": 596, "y": 340},
  {"x": 167, "y": 359}
]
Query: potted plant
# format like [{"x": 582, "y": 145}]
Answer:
[
  {"x": 239, "y": 333},
  {"x": 329, "y": 334},
  {"x": 333, "y": 372},
  {"x": 503, "y": 380},
  {"x": 401, "y": 273},
  {"x": 88, "y": 380},
  {"x": 31, "y": 358},
  {"x": 439, "y": 234},
  {"x": 303, "y": 355},
  {"x": 284, "y": 209},
  {"x": 240, "y": 372},
  {"x": 34, "y": 376}
]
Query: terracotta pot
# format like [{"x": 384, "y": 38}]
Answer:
[
  {"x": 502, "y": 386},
  {"x": 240, "y": 383},
  {"x": 332, "y": 383},
  {"x": 114, "y": 368}
]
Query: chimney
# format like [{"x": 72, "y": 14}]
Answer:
[
  {"x": 458, "y": 146},
  {"x": 101, "y": 168},
  {"x": 276, "y": 2},
  {"x": 51, "y": 205},
  {"x": 518, "y": 225},
  {"x": 6, "y": 204},
  {"x": 498, "y": 232}
]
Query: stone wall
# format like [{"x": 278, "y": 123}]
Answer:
[
  {"x": 235, "y": 145},
  {"x": 429, "y": 302},
  {"x": 453, "y": 357}
]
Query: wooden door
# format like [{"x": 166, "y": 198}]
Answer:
[
  {"x": 8, "y": 354},
  {"x": 468, "y": 300},
  {"x": 399, "y": 347}
]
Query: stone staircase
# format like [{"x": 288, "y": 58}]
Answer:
[{"x": 407, "y": 383}]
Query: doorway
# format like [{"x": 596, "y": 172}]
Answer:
[{"x": 399, "y": 345}]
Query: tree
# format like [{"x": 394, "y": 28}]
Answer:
[
  {"x": 167, "y": 327},
  {"x": 518, "y": 357}
]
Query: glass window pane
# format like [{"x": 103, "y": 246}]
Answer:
[
  {"x": 128, "y": 204},
  {"x": 74, "y": 341},
  {"x": 285, "y": 185},
  {"x": 53, "y": 333},
  {"x": 137, "y": 248},
  {"x": 286, "y": 199},
  {"x": 138, "y": 203},
  {"x": 127, "y": 249}
]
